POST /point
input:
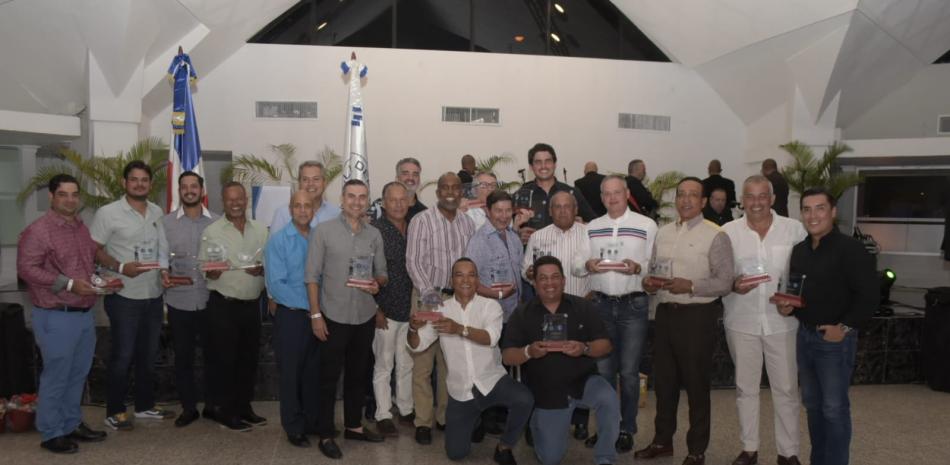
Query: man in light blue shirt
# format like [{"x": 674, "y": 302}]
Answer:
[
  {"x": 310, "y": 179},
  {"x": 496, "y": 250},
  {"x": 295, "y": 346}
]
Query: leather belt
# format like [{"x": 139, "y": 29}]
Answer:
[
  {"x": 67, "y": 309},
  {"x": 631, "y": 295},
  {"x": 231, "y": 299}
]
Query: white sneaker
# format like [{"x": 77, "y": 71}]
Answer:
[
  {"x": 155, "y": 414},
  {"x": 119, "y": 422}
]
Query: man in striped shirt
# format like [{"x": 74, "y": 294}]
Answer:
[
  {"x": 563, "y": 240},
  {"x": 615, "y": 257},
  {"x": 436, "y": 238}
]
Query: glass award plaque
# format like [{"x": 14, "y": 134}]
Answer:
[
  {"x": 661, "y": 270},
  {"x": 753, "y": 271},
  {"x": 146, "y": 253},
  {"x": 554, "y": 332},
  {"x": 216, "y": 257},
  {"x": 105, "y": 282},
  {"x": 610, "y": 258},
  {"x": 181, "y": 269},
  {"x": 501, "y": 278},
  {"x": 361, "y": 271},
  {"x": 429, "y": 304},
  {"x": 540, "y": 250},
  {"x": 790, "y": 290},
  {"x": 247, "y": 261}
]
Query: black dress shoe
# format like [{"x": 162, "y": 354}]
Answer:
[
  {"x": 439, "y": 426},
  {"x": 793, "y": 460},
  {"x": 60, "y": 445},
  {"x": 624, "y": 442},
  {"x": 330, "y": 449},
  {"x": 253, "y": 419},
  {"x": 580, "y": 432},
  {"x": 85, "y": 434},
  {"x": 424, "y": 435},
  {"x": 366, "y": 435},
  {"x": 209, "y": 413},
  {"x": 186, "y": 418},
  {"x": 590, "y": 442},
  {"x": 299, "y": 440},
  {"x": 504, "y": 457},
  {"x": 478, "y": 434}
]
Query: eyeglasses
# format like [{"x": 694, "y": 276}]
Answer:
[{"x": 487, "y": 185}]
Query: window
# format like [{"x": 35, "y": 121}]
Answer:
[
  {"x": 906, "y": 194},
  {"x": 470, "y": 115}
]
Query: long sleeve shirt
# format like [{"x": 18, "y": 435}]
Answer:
[
  {"x": 633, "y": 235},
  {"x": 563, "y": 245},
  {"x": 326, "y": 212},
  {"x": 700, "y": 252},
  {"x": 491, "y": 251},
  {"x": 51, "y": 251},
  {"x": 285, "y": 258},
  {"x": 531, "y": 194},
  {"x": 434, "y": 243},
  {"x": 841, "y": 284}
]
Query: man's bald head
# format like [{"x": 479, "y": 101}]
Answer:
[{"x": 590, "y": 167}]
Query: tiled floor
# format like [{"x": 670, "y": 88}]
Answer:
[{"x": 893, "y": 424}]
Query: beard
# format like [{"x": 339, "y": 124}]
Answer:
[{"x": 188, "y": 204}]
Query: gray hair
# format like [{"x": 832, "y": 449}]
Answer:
[
  {"x": 311, "y": 164},
  {"x": 618, "y": 177},
  {"x": 392, "y": 184},
  {"x": 758, "y": 179},
  {"x": 408, "y": 160}
]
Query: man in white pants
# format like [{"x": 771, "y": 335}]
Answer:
[{"x": 762, "y": 243}]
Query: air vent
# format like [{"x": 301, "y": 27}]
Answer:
[
  {"x": 645, "y": 122},
  {"x": 943, "y": 124},
  {"x": 471, "y": 115},
  {"x": 305, "y": 110}
]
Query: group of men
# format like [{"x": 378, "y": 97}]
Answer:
[{"x": 537, "y": 279}]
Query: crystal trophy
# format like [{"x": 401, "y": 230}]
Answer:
[
  {"x": 105, "y": 282},
  {"x": 790, "y": 290},
  {"x": 470, "y": 193},
  {"x": 753, "y": 271},
  {"x": 146, "y": 254},
  {"x": 181, "y": 269},
  {"x": 361, "y": 271},
  {"x": 610, "y": 258},
  {"x": 429, "y": 304},
  {"x": 216, "y": 257},
  {"x": 661, "y": 271},
  {"x": 554, "y": 332},
  {"x": 501, "y": 278},
  {"x": 248, "y": 261},
  {"x": 540, "y": 250}
]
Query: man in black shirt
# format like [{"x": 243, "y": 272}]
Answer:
[
  {"x": 839, "y": 294},
  {"x": 779, "y": 186},
  {"x": 715, "y": 180},
  {"x": 716, "y": 209},
  {"x": 565, "y": 377},
  {"x": 589, "y": 185},
  {"x": 409, "y": 173},
  {"x": 534, "y": 195},
  {"x": 640, "y": 200},
  {"x": 467, "y": 173}
]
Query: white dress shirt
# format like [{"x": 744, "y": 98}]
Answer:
[
  {"x": 753, "y": 313},
  {"x": 633, "y": 235},
  {"x": 563, "y": 245},
  {"x": 470, "y": 364}
]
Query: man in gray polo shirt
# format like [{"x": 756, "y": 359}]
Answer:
[
  {"x": 343, "y": 313},
  {"x": 130, "y": 238},
  {"x": 186, "y": 301}
]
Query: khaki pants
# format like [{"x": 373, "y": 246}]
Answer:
[{"x": 422, "y": 381}]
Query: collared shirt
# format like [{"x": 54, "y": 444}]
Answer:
[
  {"x": 285, "y": 257},
  {"x": 327, "y": 211},
  {"x": 719, "y": 218},
  {"x": 532, "y": 194},
  {"x": 434, "y": 244},
  {"x": 752, "y": 313},
  {"x": 700, "y": 252},
  {"x": 376, "y": 210},
  {"x": 236, "y": 284},
  {"x": 633, "y": 234},
  {"x": 331, "y": 247},
  {"x": 184, "y": 238},
  {"x": 841, "y": 284},
  {"x": 470, "y": 364},
  {"x": 395, "y": 298},
  {"x": 478, "y": 216},
  {"x": 490, "y": 251},
  {"x": 555, "y": 377},
  {"x": 123, "y": 231},
  {"x": 563, "y": 245},
  {"x": 52, "y": 251}
]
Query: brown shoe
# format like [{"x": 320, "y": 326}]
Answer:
[
  {"x": 747, "y": 458},
  {"x": 695, "y": 460},
  {"x": 653, "y": 451},
  {"x": 387, "y": 428},
  {"x": 793, "y": 460}
]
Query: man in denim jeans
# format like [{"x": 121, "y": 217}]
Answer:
[
  {"x": 839, "y": 294},
  {"x": 618, "y": 247}
]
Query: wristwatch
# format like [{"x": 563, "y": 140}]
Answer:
[
  {"x": 586, "y": 348},
  {"x": 316, "y": 316},
  {"x": 464, "y": 331},
  {"x": 845, "y": 328}
]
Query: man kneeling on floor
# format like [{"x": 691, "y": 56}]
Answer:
[{"x": 468, "y": 332}]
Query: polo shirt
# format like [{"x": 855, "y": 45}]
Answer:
[{"x": 122, "y": 229}]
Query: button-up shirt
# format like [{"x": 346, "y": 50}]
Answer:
[
  {"x": 286, "y": 257},
  {"x": 633, "y": 235},
  {"x": 122, "y": 230},
  {"x": 470, "y": 364},
  {"x": 478, "y": 216},
  {"x": 52, "y": 251},
  {"x": 434, "y": 244},
  {"x": 184, "y": 238},
  {"x": 490, "y": 250},
  {"x": 752, "y": 313},
  {"x": 532, "y": 194},
  {"x": 236, "y": 284},
  {"x": 326, "y": 212},
  {"x": 563, "y": 245},
  {"x": 331, "y": 247},
  {"x": 395, "y": 298}
]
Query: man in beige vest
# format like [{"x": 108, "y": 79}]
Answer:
[{"x": 692, "y": 266}]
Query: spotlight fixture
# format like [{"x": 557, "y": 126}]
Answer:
[
  {"x": 559, "y": 8},
  {"x": 322, "y": 25},
  {"x": 555, "y": 37},
  {"x": 888, "y": 277},
  {"x": 519, "y": 38}
]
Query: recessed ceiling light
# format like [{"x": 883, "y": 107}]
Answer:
[
  {"x": 519, "y": 38},
  {"x": 559, "y": 8},
  {"x": 555, "y": 37},
  {"x": 322, "y": 25}
]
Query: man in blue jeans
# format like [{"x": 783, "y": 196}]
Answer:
[
  {"x": 562, "y": 375},
  {"x": 839, "y": 294},
  {"x": 618, "y": 247}
]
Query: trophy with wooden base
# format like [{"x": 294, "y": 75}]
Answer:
[{"x": 429, "y": 304}]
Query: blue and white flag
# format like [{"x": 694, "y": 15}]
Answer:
[
  {"x": 356, "y": 165},
  {"x": 184, "y": 154}
]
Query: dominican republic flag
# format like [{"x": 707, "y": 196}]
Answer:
[
  {"x": 356, "y": 165},
  {"x": 185, "y": 151}
]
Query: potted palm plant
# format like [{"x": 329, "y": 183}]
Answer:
[
  {"x": 807, "y": 170},
  {"x": 252, "y": 170}
]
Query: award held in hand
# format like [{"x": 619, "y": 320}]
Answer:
[
  {"x": 429, "y": 304},
  {"x": 247, "y": 261},
  {"x": 661, "y": 271},
  {"x": 181, "y": 269},
  {"x": 554, "y": 332},
  {"x": 105, "y": 282},
  {"x": 610, "y": 258},
  {"x": 361, "y": 271},
  {"x": 146, "y": 253},
  {"x": 790, "y": 290},
  {"x": 216, "y": 257},
  {"x": 501, "y": 278},
  {"x": 753, "y": 271}
]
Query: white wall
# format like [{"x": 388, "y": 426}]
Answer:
[
  {"x": 570, "y": 103},
  {"x": 910, "y": 111}
]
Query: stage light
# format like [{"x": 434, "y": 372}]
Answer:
[
  {"x": 555, "y": 37},
  {"x": 322, "y": 25},
  {"x": 559, "y": 8},
  {"x": 888, "y": 277},
  {"x": 519, "y": 38}
]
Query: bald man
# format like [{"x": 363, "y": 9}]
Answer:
[
  {"x": 467, "y": 173},
  {"x": 779, "y": 186},
  {"x": 589, "y": 185},
  {"x": 716, "y": 181}
]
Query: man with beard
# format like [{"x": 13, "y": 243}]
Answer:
[
  {"x": 436, "y": 239},
  {"x": 233, "y": 314},
  {"x": 716, "y": 209},
  {"x": 536, "y": 194},
  {"x": 408, "y": 172},
  {"x": 186, "y": 302},
  {"x": 56, "y": 259},
  {"x": 310, "y": 179},
  {"x": 131, "y": 243}
]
